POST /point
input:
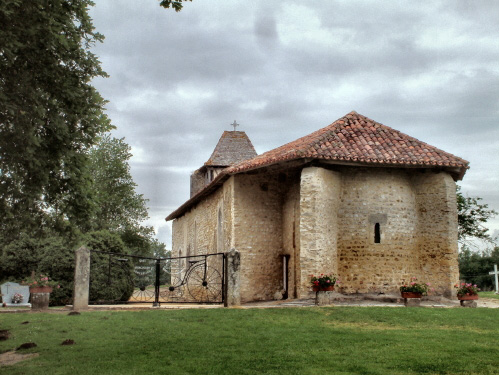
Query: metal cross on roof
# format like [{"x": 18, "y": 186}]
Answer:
[{"x": 234, "y": 125}]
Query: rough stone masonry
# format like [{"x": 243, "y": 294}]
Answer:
[{"x": 356, "y": 199}]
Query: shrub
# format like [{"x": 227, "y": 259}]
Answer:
[
  {"x": 48, "y": 256},
  {"x": 111, "y": 277},
  {"x": 20, "y": 258}
]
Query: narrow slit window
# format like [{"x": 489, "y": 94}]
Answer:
[{"x": 377, "y": 233}]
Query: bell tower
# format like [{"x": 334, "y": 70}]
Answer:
[{"x": 233, "y": 147}]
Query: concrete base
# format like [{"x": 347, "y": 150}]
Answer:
[
  {"x": 327, "y": 298},
  {"x": 17, "y": 305},
  {"x": 471, "y": 304},
  {"x": 40, "y": 301},
  {"x": 412, "y": 302}
]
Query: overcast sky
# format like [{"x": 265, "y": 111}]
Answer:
[{"x": 285, "y": 69}]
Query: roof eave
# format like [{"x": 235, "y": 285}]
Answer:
[{"x": 457, "y": 172}]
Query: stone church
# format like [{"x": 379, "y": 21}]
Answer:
[{"x": 357, "y": 199}]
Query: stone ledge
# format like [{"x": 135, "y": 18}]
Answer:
[{"x": 412, "y": 302}]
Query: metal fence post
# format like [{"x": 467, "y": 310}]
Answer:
[{"x": 156, "y": 283}]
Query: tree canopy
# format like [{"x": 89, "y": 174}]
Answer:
[
  {"x": 117, "y": 207},
  {"x": 50, "y": 114},
  {"x": 474, "y": 267},
  {"x": 64, "y": 181},
  {"x": 472, "y": 214}
]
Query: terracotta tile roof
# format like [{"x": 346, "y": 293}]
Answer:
[
  {"x": 233, "y": 147},
  {"x": 356, "y": 138},
  {"x": 351, "y": 139}
]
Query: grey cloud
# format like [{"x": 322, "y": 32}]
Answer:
[{"x": 164, "y": 234}]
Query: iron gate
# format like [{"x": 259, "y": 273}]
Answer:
[{"x": 123, "y": 278}]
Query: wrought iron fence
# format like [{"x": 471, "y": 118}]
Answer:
[{"x": 123, "y": 278}]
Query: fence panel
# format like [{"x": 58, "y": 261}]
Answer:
[{"x": 122, "y": 278}]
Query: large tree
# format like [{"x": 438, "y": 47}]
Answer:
[
  {"x": 472, "y": 215},
  {"x": 117, "y": 206},
  {"x": 50, "y": 114}
]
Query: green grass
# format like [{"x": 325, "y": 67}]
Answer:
[
  {"x": 329, "y": 340},
  {"x": 488, "y": 295}
]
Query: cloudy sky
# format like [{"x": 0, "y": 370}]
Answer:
[{"x": 285, "y": 69}]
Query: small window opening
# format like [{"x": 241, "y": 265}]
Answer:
[{"x": 377, "y": 233}]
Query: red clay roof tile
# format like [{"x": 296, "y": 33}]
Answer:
[
  {"x": 356, "y": 138},
  {"x": 352, "y": 138}
]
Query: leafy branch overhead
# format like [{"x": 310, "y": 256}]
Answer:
[{"x": 177, "y": 5}]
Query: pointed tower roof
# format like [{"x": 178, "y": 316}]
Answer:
[{"x": 233, "y": 147}]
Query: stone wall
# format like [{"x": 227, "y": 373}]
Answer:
[
  {"x": 325, "y": 221},
  {"x": 319, "y": 203},
  {"x": 197, "y": 182},
  {"x": 207, "y": 228},
  {"x": 437, "y": 240},
  {"x": 386, "y": 197},
  {"x": 258, "y": 234}
]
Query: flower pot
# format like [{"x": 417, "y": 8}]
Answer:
[
  {"x": 411, "y": 295},
  {"x": 40, "y": 296},
  {"x": 40, "y": 289},
  {"x": 324, "y": 289},
  {"x": 467, "y": 297}
]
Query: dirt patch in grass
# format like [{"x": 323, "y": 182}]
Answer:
[
  {"x": 11, "y": 358},
  {"x": 488, "y": 302},
  {"x": 4, "y": 334}
]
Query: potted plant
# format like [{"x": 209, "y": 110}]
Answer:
[
  {"x": 467, "y": 291},
  {"x": 323, "y": 283},
  {"x": 40, "y": 287},
  {"x": 414, "y": 289}
]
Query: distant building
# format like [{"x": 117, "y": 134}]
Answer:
[{"x": 356, "y": 198}]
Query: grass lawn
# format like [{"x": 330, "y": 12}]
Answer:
[
  {"x": 488, "y": 295},
  {"x": 328, "y": 340}
]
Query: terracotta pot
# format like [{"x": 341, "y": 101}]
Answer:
[
  {"x": 467, "y": 297},
  {"x": 40, "y": 289},
  {"x": 411, "y": 295},
  {"x": 325, "y": 289}
]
